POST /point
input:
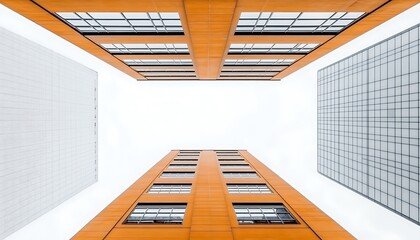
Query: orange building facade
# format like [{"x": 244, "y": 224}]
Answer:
[
  {"x": 263, "y": 40},
  {"x": 211, "y": 194}
]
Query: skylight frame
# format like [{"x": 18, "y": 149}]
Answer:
[
  {"x": 124, "y": 22},
  {"x": 259, "y": 62},
  {"x": 146, "y": 48},
  {"x": 158, "y": 62},
  {"x": 295, "y": 22},
  {"x": 272, "y": 48}
]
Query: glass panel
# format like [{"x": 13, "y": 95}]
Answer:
[{"x": 283, "y": 22}]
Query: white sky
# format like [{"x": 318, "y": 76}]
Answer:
[{"x": 140, "y": 122}]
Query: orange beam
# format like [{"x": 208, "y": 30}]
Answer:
[{"x": 209, "y": 23}]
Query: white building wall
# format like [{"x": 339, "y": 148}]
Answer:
[{"x": 48, "y": 130}]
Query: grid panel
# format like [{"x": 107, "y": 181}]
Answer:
[
  {"x": 158, "y": 62},
  {"x": 153, "y": 48},
  {"x": 249, "y": 188},
  {"x": 117, "y": 22},
  {"x": 240, "y": 175},
  {"x": 194, "y": 154},
  {"x": 258, "y": 62},
  {"x": 170, "y": 188},
  {"x": 295, "y": 22},
  {"x": 48, "y": 134},
  {"x": 177, "y": 175},
  {"x": 267, "y": 48},
  {"x": 229, "y": 166},
  {"x": 174, "y": 166},
  {"x": 263, "y": 214},
  {"x": 247, "y": 74},
  {"x": 186, "y": 159},
  {"x": 157, "y": 214},
  {"x": 368, "y": 123},
  {"x": 251, "y": 69}
]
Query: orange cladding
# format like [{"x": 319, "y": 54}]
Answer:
[
  {"x": 210, "y": 213},
  {"x": 208, "y": 30}
]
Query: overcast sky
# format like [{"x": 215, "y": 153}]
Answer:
[{"x": 140, "y": 122}]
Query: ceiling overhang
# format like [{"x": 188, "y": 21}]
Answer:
[{"x": 214, "y": 41}]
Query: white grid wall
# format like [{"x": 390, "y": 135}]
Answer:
[{"x": 48, "y": 130}]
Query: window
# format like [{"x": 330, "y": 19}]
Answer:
[
  {"x": 279, "y": 48},
  {"x": 171, "y": 73},
  {"x": 141, "y": 48},
  {"x": 251, "y": 70},
  {"x": 263, "y": 214},
  {"x": 157, "y": 213},
  {"x": 190, "y": 151},
  {"x": 129, "y": 22},
  {"x": 227, "y": 153},
  {"x": 247, "y": 74},
  {"x": 186, "y": 159},
  {"x": 295, "y": 22},
  {"x": 172, "y": 166},
  {"x": 240, "y": 175},
  {"x": 249, "y": 188},
  {"x": 231, "y": 159},
  {"x": 158, "y": 62},
  {"x": 258, "y": 62},
  {"x": 228, "y": 166},
  {"x": 170, "y": 188},
  {"x": 189, "y": 154},
  {"x": 177, "y": 175}
]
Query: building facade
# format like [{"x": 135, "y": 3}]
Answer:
[
  {"x": 368, "y": 123},
  {"x": 211, "y": 194},
  {"x": 207, "y": 39},
  {"x": 48, "y": 130}
]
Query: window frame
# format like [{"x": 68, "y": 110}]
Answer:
[
  {"x": 157, "y": 206},
  {"x": 260, "y": 190},
  {"x": 288, "y": 217},
  {"x": 182, "y": 166},
  {"x": 157, "y": 190},
  {"x": 240, "y": 172},
  {"x": 179, "y": 172}
]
